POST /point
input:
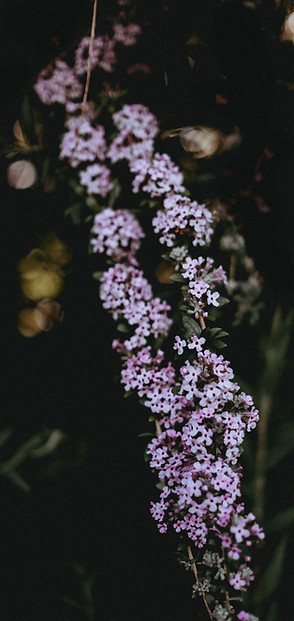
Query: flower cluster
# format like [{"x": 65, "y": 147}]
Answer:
[
  {"x": 97, "y": 180},
  {"x": 82, "y": 142},
  {"x": 201, "y": 413},
  {"x": 137, "y": 128},
  {"x": 103, "y": 55},
  {"x": 117, "y": 233},
  {"x": 196, "y": 457},
  {"x": 127, "y": 295},
  {"x": 58, "y": 84},
  {"x": 163, "y": 177},
  {"x": 127, "y": 35},
  {"x": 202, "y": 277},
  {"x": 181, "y": 216},
  {"x": 137, "y": 121},
  {"x": 155, "y": 383}
]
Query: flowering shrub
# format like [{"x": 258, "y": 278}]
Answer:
[{"x": 200, "y": 413}]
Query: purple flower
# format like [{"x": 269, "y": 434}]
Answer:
[
  {"x": 97, "y": 180},
  {"x": 103, "y": 55},
  {"x": 136, "y": 120},
  {"x": 127, "y": 295},
  {"x": 58, "y": 84},
  {"x": 127, "y": 35},
  {"x": 163, "y": 176},
  {"x": 82, "y": 142},
  {"x": 181, "y": 216},
  {"x": 117, "y": 233}
]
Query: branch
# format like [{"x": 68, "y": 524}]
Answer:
[{"x": 92, "y": 37}]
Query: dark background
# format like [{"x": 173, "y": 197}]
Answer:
[{"x": 91, "y": 508}]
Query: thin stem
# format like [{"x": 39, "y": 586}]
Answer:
[
  {"x": 206, "y": 605},
  {"x": 190, "y": 555},
  {"x": 158, "y": 428},
  {"x": 92, "y": 37},
  {"x": 232, "y": 269},
  {"x": 226, "y": 572},
  {"x": 202, "y": 322}
]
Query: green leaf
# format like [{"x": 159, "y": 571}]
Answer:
[
  {"x": 74, "y": 212},
  {"x": 128, "y": 393},
  {"x": 92, "y": 203},
  {"x": 5, "y": 434},
  {"x": 283, "y": 446},
  {"x": 45, "y": 169},
  {"x": 203, "y": 178},
  {"x": 146, "y": 434},
  {"x": 147, "y": 457},
  {"x": 191, "y": 327},
  {"x": 211, "y": 332},
  {"x": 177, "y": 278},
  {"x": 272, "y": 575},
  {"x": 166, "y": 257},
  {"x": 185, "y": 307},
  {"x": 27, "y": 122},
  {"x": 275, "y": 348},
  {"x": 17, "y": 480},
  {"x": 222, "y": 301},
  {"x": 122, "y": 327},
  {"x": 282, "y": 520},
  {"x": 97, "y": 275},
  {"x": 219, "y": 344}
]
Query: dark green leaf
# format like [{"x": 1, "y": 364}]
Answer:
[
  {"x": 17, "y": 480},
  {"x": 191, "y": 327},
  {"x": 74, "y": 212},
  {"x": 122, "y": 327},
  {"x": 146, "y": 434},
  {"x": 282, "y": 520},
  {"x": 147, "y": 457},
  {"x": 177, "y": 277},
  {"x": 211, "y": 332},
  {"x": 97, "y": 275},
  {"x": 45, "y": 169},
  {"x": 128, "y": 393},
  {"x": 185, "y": 307},
  {"x": 219, "y": 344},
  {"x": 203, "y": 178},
  {"x": 5, "y": 434},
  {"x": 222, "y": 301},
  {"x": 283, "y": 445},
  {"x": 272, "y": 575}
]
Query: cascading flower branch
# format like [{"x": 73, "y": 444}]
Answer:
[
  {"x": 201, "y": 417},
  {"x": 200, "y": 413}
]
